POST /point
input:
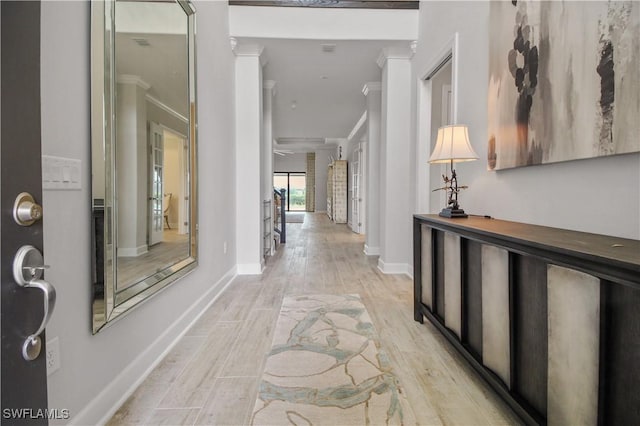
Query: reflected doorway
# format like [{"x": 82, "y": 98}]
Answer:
[
  {"x": 296, "y": 185},
  {"x": 167, "y": 212}
]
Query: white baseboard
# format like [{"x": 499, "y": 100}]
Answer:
[
  {"x": 104, "y": 405},
  {"x": 250, "y": 268},
  {"x": 410, "y": 271},
  {"x": 395, "y": 268},
  {"x": 132, "y": 251},
  {"x": 371, "y": 251}
]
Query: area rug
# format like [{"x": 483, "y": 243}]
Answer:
[
  {"x": 295, "y": 217},
  {"x": 326, "y": 367}
]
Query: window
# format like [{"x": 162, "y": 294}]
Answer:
[{"x": 295, "y": 183}]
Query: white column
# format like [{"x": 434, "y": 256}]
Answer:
[
  {"x": 132, "y": 173},
  {"x": 269, "y": 91},
  {"x": 372, "y": 92},
  {"x": 395, "y": 163},
  {"x": 248, "y": 126}
]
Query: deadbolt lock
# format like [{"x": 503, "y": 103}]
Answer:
[{"x": 25, "y": 210}]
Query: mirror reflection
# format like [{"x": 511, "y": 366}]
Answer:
[
  {"x": 143, "y": 154},
  {"x": 151, "y": 112}
]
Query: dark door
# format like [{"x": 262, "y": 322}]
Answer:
[{"x": 24, "y": 383}]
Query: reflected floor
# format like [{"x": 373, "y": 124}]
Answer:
[{"x": 173, "y": 248}]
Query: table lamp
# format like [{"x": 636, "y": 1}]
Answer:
[{"x": 452, "y": 146}]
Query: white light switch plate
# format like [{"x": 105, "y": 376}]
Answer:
[{"x": 61, "y": 173}]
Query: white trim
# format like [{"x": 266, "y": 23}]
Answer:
[
  {"x": 166, "y": 107},
  {"x": 133, "y": 79},
  {"x": 104, "y": 405},
  {"x": 423, "y": 121},
  {"x": 132, "y": 251},
  {"x": 393, "y": 53},
  {"x": 371, "y": 251},
  {"x": 371, "y": 86},
  {"x": 394, "y": 268},
  {"x": 250, "y": 268},
  {"x": 450, "y": 48},
  {"x": 250, "y": 49},
  {"x": 358, "y": 127}
]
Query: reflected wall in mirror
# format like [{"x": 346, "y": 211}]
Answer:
[{"x": 143, "y": 151}]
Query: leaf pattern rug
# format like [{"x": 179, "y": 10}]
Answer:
[{"x": 326, "y": 367}]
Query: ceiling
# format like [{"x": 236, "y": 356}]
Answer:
[
  {"x": 162, "y": 64},
  {"x": 326, "y": 87},
  {"x": 151, "y": 44}
]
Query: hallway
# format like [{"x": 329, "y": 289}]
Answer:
[{"x": 211, "y": 376}]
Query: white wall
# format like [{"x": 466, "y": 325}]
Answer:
[
  {"x": 91, "y": 364},
  {"x": 296, "y": 162},
  {"x": 599, "y": 195}
]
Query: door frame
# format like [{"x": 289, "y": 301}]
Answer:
[
  {"x": 154, "y": 236},
  {"x": 449, "y": 52},
  {"x": 182, "y": 197}
]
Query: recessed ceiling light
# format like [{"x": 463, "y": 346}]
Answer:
[
  {"x": 294, "y": 105},
  {"x": 324, "y": 77}
]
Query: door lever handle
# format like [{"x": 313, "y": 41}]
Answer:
[
  {"x": 33, "y": 344},
  {"x": 27, "y": 271}
]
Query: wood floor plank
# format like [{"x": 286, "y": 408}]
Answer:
[
  {"x": 139, "y": 406},
  {"x": 252, "y": 345},
  {"x": 231, "y": 401},
  {"x": 192, "y": 387},
  {"x": 172, "y": 365},
  {"x": 173, "y": 416}
]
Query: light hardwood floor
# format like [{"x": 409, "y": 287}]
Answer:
[{"x": 211, "y": 376}]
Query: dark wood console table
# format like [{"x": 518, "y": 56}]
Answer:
[{"x": 550, "y": 318}]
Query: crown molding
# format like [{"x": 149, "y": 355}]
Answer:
[
  {"x": 371, "y": 87},
  {"x": 395, "y": 53},
  {"x": 166, "y": 108},
  {"x": 270, "y": 85},
  {"x": 358, "y": 127},
  {"x": 133, "y": 79},
  {"x": 248, "y": 49}
]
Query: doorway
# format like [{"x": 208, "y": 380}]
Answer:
[
  {"x": 296, "y": 185},
  {"x": 437, "y": 107}
]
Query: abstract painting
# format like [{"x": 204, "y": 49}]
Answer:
[{"x": 564, "y": 81}]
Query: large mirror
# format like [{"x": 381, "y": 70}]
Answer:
[{"x": 143, "y": 202}]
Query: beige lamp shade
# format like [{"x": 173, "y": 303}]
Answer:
[{"x": 452, "y": 144}]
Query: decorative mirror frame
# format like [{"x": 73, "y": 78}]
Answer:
[{"x": 107, "y": 304}]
